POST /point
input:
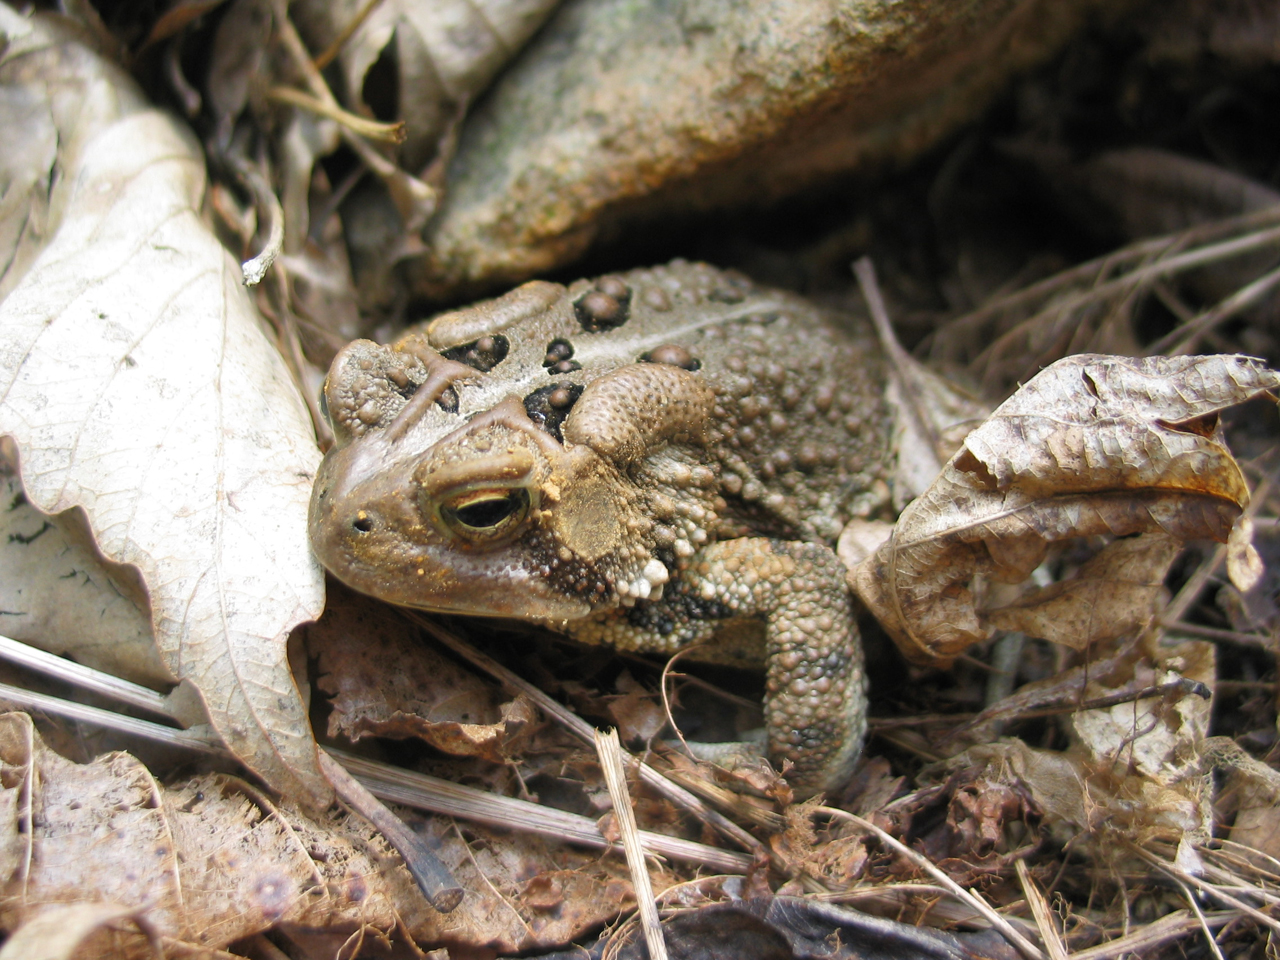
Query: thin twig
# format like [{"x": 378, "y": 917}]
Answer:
[
  {"x": 902, "y": 363},
  {"x": 1190, "y": 592},
  {"x": 415, "y": 201},
  {"x": 1208, "y": 888},
  {"x": 1148, "y": 249},
  {"x": 666, "y": 701},
  {"x": 1173, "y": 926},
  {"x": 433, "y": 878},
  {"x": 370, "y": 129},
  {"x": 1183, "y": 339},
  {"x": 387, "y": 782},
  {"x": 83, "y": 713},
  {"x": 1204, "y": 924},
  {"x": 266, "y": 201},
  {"x": 432, "y": 794},
  {"x": 86, "y": 678},
  {"x": 1226, "y": 636},
  {"x": 1140, "y": 275}
]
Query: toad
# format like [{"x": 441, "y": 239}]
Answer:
[{"x": 649, "y": 460}]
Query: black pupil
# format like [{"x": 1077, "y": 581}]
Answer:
[{"x": 488, "y": 513}]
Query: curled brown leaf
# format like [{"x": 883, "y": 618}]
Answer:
[{"x": 1092, "y": 446}]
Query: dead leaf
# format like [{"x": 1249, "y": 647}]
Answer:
[
  {"x": 61, "y": 933},
  {"x": 204, "y": 863},
  {"x": 444, "y": 55},
  {"x": 138, "y": 384},
  {"x": 1077, "y": 798},
  {"x": 385, "y": 681},
  {"x": 1252, "y": 792},
  {"x": 1114, "y": 593},
  {"x": 637, "y": 711},
  {"x": 60, "y": 595},
  {"x": 1135, "y": 769},
  {"x": 1157, "y": 737},
  {"x": 1092, "y": 446},
  {"x": 1244, "y": 565}
]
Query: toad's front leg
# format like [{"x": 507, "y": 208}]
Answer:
[{"x": 815, "y": 695}]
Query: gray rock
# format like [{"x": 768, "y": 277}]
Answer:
[{"x": 621, "y": 110}]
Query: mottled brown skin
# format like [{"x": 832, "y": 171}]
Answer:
[{"x": 646, "y": 461}]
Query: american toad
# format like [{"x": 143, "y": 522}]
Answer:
[{"x": 650, "y": 460}]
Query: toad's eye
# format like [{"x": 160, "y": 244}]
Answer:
[{"x": 482, "y": 515}]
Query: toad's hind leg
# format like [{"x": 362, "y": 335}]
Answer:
[{"x": 815, "y": 695}]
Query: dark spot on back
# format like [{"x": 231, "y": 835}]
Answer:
[
  {"x": 448, "y": 400},
  {"x": 549, "y": 406},
  {"x": 559, "y": 357},
  {"x": 483, "y": 355}
]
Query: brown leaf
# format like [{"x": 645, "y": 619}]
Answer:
[
  {"x": 1092, "y": 446},
  {"x": 1251, "y": 792},
  {"x": 1115, "y": 592},
  {"x": 385, "y": 681},
  {"x": 213, "y": 860},
  {"x": 1154, "y": 736},
  {"x": 1244, "y": 564},
  {"x": 68, "y": 932},
  {"x": 1074, "y": 794},
  {"x": 204, "y": 863}
]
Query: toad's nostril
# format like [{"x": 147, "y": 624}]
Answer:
[{"x": 363, "y": 522}]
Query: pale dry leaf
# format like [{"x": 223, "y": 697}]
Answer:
[
  {"x": 1252, "y": 791},
  {"x": 1058, "y": 693},
  {"x": 1158, "y": 737},
  {"x": 26, "y": 169},
  {"x": 860, "y": 539},
  {"x": 444, "y": 53},
  {"x": 1077, "y": 798},
  {"x": 138, "y": 383},
  {"x": 1091, "y": 446},
  {"x": 1244, "y": 564},
  {"x": 933, "y": 418},
  {"x": 60, "y": 933},
  {"x": 60, "y": 595}
]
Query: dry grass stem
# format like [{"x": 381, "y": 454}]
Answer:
[
  {"x": 1041, "y": 912},
  {"x": 1211, "y": 890},
  {"x": 609, "y": 750},
  {"x": 423, "y": 792},
  {"x": 1185, "y": 338},
  {"x": 386, "y": 782}
]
